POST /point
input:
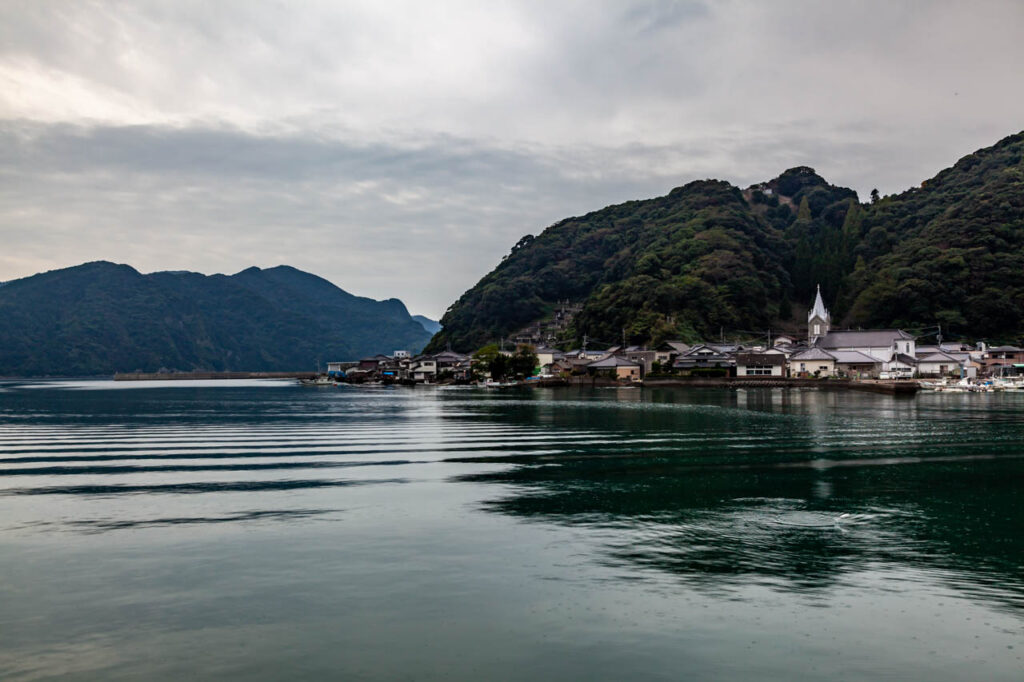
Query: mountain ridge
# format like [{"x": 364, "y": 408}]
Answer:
[
  {"x": 100, "y": 318},
  {"x": 709, "y": 256}
]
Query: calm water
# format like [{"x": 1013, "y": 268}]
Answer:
[{"x": 263, "y": 531}]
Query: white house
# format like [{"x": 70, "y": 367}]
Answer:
[
  {"x": 938, "y": 363},
  {"x": 815, "y": 361},
  {"x": 424, "y": 369}
]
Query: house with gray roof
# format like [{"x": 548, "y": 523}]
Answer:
[
  {"x": 812, "y": 361},
  {"x": 705, "y": 356},
  {"x": 853, "y": 363},
  {"x": 617, "y": 367},
  {"x": 938, "y": 364}
]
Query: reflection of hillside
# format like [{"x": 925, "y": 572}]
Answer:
[{"x": 735, "y": 497}]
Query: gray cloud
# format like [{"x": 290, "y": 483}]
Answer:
[{"x": 400, "y": 149}]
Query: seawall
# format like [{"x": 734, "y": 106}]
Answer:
[{"x": 154, "y": 376}]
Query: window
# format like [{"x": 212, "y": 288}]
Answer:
[
  {"x": 803, "y": 367},
  {"x": 817, "y": 329},
  {"x": 759, "y": 369}
]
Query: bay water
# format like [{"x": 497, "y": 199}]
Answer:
[{"x": 260, "y": 530}]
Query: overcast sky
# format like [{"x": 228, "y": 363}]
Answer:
[{"x": 399, "y": 149}]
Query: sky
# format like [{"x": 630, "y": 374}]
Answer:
[{"x": 400, "y": 149}]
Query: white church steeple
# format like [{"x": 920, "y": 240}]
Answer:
[{"x": 818, "y": 320}]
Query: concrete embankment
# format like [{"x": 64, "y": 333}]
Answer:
[
  {"x": 888, "y": 387},
  {"x": 180, "y": 376}
]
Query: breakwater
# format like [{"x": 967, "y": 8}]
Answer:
[{"x": 181, "y": 376}]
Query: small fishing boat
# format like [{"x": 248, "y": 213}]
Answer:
[
  {"x": 498, "y": 384},
  {"x": 320, "y": 380}
]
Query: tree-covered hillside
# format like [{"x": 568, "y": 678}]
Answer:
[
  {"x": 694, "y": 260},
  {"x": 709, "y": 256},
  {"x": 101, "y": 318},
  {"x": 950, "y": 252}
]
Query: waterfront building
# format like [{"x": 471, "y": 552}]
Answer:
[
  {"x": 616, "y": 366},
  {"x": 812, "y": 362},
  {"x": 760, "y": 364}
]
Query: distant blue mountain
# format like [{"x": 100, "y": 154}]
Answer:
[
  {"x": 101, "y": 318},
  {"x": 432, "y": 326}
]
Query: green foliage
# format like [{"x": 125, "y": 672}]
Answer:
[
  {"x": 950, "y": 252},
  {"x": 101, "y": 318},
  {"x": 523, "y": 363},
  {"x": 675, "y": 266},
  {"x": 681, "y": 266}
]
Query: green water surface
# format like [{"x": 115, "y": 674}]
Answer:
[{"x": 266, "y": 531}]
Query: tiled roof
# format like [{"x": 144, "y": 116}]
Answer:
[
  {"x": 612, "y": 361},
  {"x": 852, "y": 357},
  {"x": 761, "y": 359},
  {"x": 938, "y": 357},
  {"x": 812, "y": 354},
  {"x": 867, "y": 338}
]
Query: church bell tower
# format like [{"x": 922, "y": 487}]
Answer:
[{"x": 818, "y": 320}]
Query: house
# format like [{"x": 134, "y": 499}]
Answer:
[
  {"x": 760, "y": 364},
  {"x": 783, "y": 340},
  {"x": 667, "y": 352},
  {"x": 643, "y": 357},
  {"x": 812, "y": 361},
  {"x": 546, "y": 356},
  {"x": 705, "y": 356},
  {"x": 336, "y": 369},
  {"x": 617, "y": 366},
  {"x": 996, "y": 359},
  {"x": 938, "y": 363},
  {"x": 423, "y": 368},
  {"x": 900, "y": 366},
  {"x": 852, "y": 363},
  {"x": 372, "y": 363}
]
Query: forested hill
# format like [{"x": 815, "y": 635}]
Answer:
[
  {"x": 101, "y": 318},
  {"x": 950, "y": 251},
  {"x": 710, "y": 256}
]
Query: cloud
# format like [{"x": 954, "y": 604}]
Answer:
[{"x": 399, "y": 149}]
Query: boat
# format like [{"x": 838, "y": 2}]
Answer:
[
  {"x": 320, "y": 380},
  {"x": 498, "y": 384}
]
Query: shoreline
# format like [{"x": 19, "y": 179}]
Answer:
[{"x": 897, "y": 387}]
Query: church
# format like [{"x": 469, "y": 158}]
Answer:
[{"x": 860, "y": 351}]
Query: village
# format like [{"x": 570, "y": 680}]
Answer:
[{"x": 826, "y": 353}]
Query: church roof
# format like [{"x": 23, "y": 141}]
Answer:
[
  {"x": 867, "y": 338},
  {"x": 819, "y": 308}
]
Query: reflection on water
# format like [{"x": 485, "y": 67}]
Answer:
[
  {"x": 798, "y": 502},
  {"x": 259, "y": 530}
]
